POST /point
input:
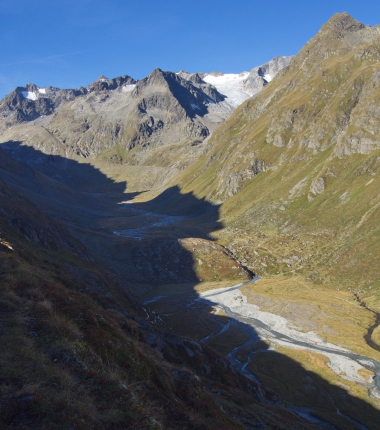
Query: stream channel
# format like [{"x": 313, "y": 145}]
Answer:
[
  {"x": 266, "y": 326},
  {"x": 275, "y": 329},
  {"x": 262, "y": 325}
]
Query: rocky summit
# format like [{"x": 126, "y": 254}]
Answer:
[{"x": 196, "y": 250}]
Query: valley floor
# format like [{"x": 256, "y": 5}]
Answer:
[{"x": 313, "y": 333}]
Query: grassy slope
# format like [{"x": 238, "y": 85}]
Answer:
[
  {"x": 318, "y": 252},
  {"x": 315, "y": 107}
]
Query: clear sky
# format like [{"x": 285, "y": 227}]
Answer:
[{"x": 70, "y": 43}]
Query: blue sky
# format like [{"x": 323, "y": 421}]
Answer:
[{"x": 69, "y": 43}]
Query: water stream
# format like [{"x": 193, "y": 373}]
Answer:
[
  {"x": 150, "y": 219},
  {"x": 279, "y": 333}
]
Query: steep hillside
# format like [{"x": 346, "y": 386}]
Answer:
[
  {"x": 302, "y": 158},
  {"x": 295, "y": 172}
]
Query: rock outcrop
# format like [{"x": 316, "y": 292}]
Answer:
[{"x": 261, "y": 75}]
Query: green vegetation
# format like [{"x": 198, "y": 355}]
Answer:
[{"x": 334, "y": 315}]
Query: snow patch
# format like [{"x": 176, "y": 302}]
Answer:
[
  {"x": 230, "y": 85},
  {"x": 268, "y": 77},
  {"x": 31, "y": 95},
  {"x": 42, "y": 90},
  {"x": 127, "y": 88}
]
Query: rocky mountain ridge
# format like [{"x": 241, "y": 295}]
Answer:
[
  {"x": 197, "y": 105},
  {"x": 160, "y": 123}
]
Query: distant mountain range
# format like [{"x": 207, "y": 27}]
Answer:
[
  {"x": 162, "y": 108},
  {"x": 17, "y": 107}
]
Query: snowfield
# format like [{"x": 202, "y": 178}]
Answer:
[
  {"x": 268, "y": 77},
  {"x": 31, "y": 95},
  {"x": 230, "y": 85},
  {"x": 127, "y": 88}
]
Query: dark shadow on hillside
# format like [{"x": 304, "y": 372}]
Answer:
[
  {"x": 80, "y": 177},
  {"x": 155, "y": 247}
]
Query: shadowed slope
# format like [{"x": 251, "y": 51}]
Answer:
[
  {"x": 76, "y": 353},
  {"x": 79, "y": 331}
]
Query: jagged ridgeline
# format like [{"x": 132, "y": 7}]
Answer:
[{"x": 116, "y": 120}]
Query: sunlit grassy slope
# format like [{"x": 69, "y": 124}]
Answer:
[{"x": 303, "y": 158}]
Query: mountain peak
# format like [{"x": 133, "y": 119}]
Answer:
[
  {"x": 102, "y": 78},
  {"x": 342, "y": 23},
  {"x": 338, "y": 36},
  {"x": 105, "y": 84}
]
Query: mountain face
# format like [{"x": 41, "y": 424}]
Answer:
[
  {"x": 162, "y": 109},
  {"x": 111, "y": 117},
  {"x": 31, "y": 102},
  {"x": 302, "y": 156}
]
